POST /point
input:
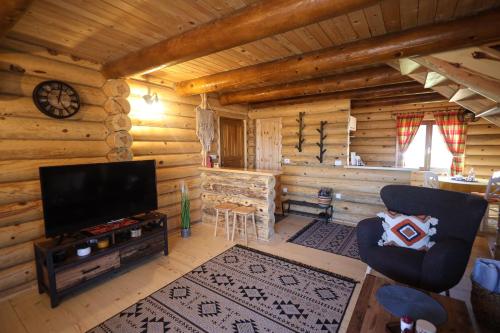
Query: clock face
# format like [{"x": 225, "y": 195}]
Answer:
[{"x": 56, "y": 99}]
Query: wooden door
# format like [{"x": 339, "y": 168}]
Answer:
[
  {"x": 232, "y": 143},
  {"x": 268, "y": 143}
]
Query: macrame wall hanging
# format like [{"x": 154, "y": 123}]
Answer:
[{"x": 204, "y": 128}]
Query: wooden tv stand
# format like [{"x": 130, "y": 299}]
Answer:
[{"x": 60, "y": 278}]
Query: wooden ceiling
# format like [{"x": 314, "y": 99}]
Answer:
[{"x": 104, "y": 30}]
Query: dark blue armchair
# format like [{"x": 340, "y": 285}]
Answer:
[{"x": 440, "y": 268}]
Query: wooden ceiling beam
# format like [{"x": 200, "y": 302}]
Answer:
[
  {"x": 392, "y": 90},
  {"x": 481, "y": 84},
  {"x": 370, "y": 77},
  {"x": 257, "y": 21},
  {"x": 423, "y": 40},
  {"x": 10, "y": 12},
  {"x": 420, "y": 98}
]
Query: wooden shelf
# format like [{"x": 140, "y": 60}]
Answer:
[{"x": 59, "y": 279}]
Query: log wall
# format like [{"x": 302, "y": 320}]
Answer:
[
  {"x": 29, "y": 139},
  {"x": 166, "y": 132},
  {"x": 304, "y": 176}
]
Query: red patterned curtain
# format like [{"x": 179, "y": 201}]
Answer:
[
  {"x": 454, "y": 132},
  {"x": 407, "y": 126}
]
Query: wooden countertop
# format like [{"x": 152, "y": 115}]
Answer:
[{"x": 261, "y": 172}]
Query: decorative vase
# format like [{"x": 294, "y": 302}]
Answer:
[{"x": 185, "y": 233}]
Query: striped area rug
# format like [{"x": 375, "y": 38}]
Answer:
[{"x": 330, "y": 237}]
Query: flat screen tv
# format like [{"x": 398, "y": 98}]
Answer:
[{"x": 75, "y": 197}]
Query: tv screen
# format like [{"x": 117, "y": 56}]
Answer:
[{"x": 79, "y": 196}]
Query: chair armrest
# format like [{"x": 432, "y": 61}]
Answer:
[
  {"x": 369, "y": 232},
  {"x": 444, "y": 264}
]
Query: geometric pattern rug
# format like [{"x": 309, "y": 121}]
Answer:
[
  {"x": 241, "y": 290},
  {"x": 330, "y": 237}
]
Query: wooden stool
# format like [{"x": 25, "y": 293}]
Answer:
[
  {"x": 244, "y": 212},
  {"x": 225, "y": 208}
]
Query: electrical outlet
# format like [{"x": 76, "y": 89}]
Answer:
[
  {"x": 338, "y": 196},
  {"x": 286, "y": 161},
  {"x": 285, "y": 189}
]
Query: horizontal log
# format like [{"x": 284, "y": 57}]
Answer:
[
  {"x": 164, "y": 148},
  {"x": 382, "y": 159},
  {"x": 20, "y": 170},
  {"x": 175, "y": 209},
  {"x": 165, "y": 121},
  {"x": 176, "y": 172},
  {"x": 43, "y": 149},
  {"x": 172, "y": 160},
  {"x": 175, "y": 221},
  {"x": 175, "y": 197},
  {"x": 482, "y": 171},
  {"x": 373, "y": 149},
  {"x": 311, "y": 139},
  {"x": 418, "y": 98},
  {"x": 346, "y": 81},
  {"x": 17, "y": 275},
  {"x": 117, "y": 105},
  {"x": 375, "y": 133},
  {"x": 10, "y": 13},
  {"x": 422, "y": 40},
  {"x": 313, "y": 150},
  {"x": 19, "y": 192},
  {"x": 15, "y": 255},
  {"x": 361, "y": 125},
  {"x": 145, "y": 133},
  {"x": 20, "y": 212},
  {"x": 328, "y": 106},
  {"x": 481, "y": 160},
  {"x": 23, "y": 85},
  {"x": 330, "y": 129},
  {"x": 483, "y": 150},
  {"x": 45, "y": 129},
  {"x": 176, "y": 184},
  {"x": 308, "y": 160},
  {"x": 119, "y": 139},
  {"x": 316, "y": 119},
  {"x": 337, "y": 185},
  {"x": 486, "y": 140},
  {"x": 260, "y": 20},
  {"x": 356, "y": 197},
  {"x": 387, "y": 176},
  {"x": 21, "y": 233},
  {"x": 20, "y": 62},
  {"x": 22, "y": 106},
  {"x": 116, "y": 88},
  {"x": 373, "y": 142},
  {"x": 482, "y": 130}
]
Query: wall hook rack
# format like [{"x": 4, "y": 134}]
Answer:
[
  {"x": 322, "y": 138},
  {"x": 300, "y": 132}
]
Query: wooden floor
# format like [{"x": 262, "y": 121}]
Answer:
[{"x": 31, "y": 312}]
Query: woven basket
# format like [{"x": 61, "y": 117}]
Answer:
[{"x": 486, "y": 306}]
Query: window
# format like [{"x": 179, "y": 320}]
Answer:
[{"x": 428, "y": 149}]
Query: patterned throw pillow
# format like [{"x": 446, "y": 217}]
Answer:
[{"x": 413, "y": 232}]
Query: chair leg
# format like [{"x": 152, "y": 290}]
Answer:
[
  {"x": 255, "y": 226},
  {"x": 234, "y": 226},
  {"x": 226, "y": 221},
  {"x": 245, "y": 231},
  {"x": 216, "y": 221}
]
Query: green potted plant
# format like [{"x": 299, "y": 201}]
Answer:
[{"x": 185, "y": 212}]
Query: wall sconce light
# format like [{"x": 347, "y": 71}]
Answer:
[{"x": 150, "y": 98}]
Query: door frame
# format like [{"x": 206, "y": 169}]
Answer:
[{"x": 245, "y": 140}]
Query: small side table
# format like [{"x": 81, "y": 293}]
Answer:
[{"x": 370, "y": 317}]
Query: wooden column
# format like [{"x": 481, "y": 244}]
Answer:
[{"x": 118, "y": 123}]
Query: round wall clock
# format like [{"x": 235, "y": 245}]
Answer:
[{"x": 56, "y": 99}]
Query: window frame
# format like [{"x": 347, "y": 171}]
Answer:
[{"x": 428, "y": 146}]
